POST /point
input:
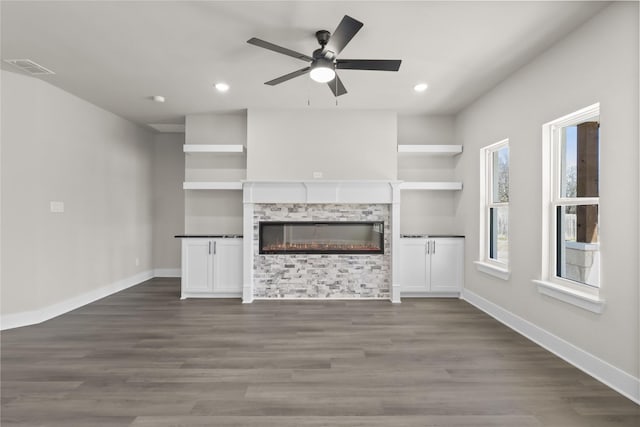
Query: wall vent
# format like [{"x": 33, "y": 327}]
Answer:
[{"x": 29, "y": 67}]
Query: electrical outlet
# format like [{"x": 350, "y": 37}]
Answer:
[
  {"x": 317, "y": 175},
  {"x": 56, "y": 207}
]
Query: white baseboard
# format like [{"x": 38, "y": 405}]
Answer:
[
  {"x": 617, "y": 379},
  {"x": 167, "y": 272},
  {"x": 26, "y": 318}
]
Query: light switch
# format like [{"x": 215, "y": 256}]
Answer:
[
  {"x": 317, "y": 175},
  {"x": 56, "y": 207}
]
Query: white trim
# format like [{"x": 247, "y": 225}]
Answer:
[
  {"x": 492, "y": 270},
  {"x": 212, "y": 185},
  {"x": 319, "y": 299},
  {"x": 430, "y": 294},
  {"x": 571, "y": 296},
  {"x": 430, "y": 149},
  {"x": 430, "y": 185},
  {"x": 617, "y": 379},
  {"x": 212, "y": 295},
  {"x": 167, "y": 272},
  {"x": 320, "y": 191},
  {"x": 551, "y": 199},
  {"x": 213, "y": 148},
  {"x": 25, "y": 318},
  {"x": 486, "y": 203}
]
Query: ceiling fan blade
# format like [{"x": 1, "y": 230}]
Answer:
[
  {"x": 347, "y": 28},
  {"x": 283, "y": 50},
  {"x": 369, "y": 64},
  {"x": 337, "y": 87},
  {"x": 289, "y": 76}
]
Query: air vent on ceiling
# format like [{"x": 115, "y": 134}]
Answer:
[{"x": 28, "y": 66}]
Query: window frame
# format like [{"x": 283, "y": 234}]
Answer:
[
  {"x": 576, "y": 293},
  {"x": 485, "y": 263}
]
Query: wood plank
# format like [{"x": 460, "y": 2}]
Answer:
[{"x": 143, "y": 357}]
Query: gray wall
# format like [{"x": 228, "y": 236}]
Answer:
[
  {"x": 168, "y": 199},
  {"x": 57, "y": 147},
  {"x": 596, "y": 63},
  {"x": 342, "y": 144}
]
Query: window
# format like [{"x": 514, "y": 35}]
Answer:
[
  {"x": 571, "y": 237},
  {"x": 494, "y": 209}
]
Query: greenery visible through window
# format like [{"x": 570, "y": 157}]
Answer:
[{"x": 496, "y": 205}]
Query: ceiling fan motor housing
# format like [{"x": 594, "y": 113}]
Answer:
[{"x": 323, "y": 37}]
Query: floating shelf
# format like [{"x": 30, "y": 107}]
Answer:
[
  {"x": 431, "y": 150},
  {"x": 213, "y": 148},
  {"x": 209, "y": 185},
  {"x": 431, "y": 185}
]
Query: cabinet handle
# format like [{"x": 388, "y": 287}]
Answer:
[
  {"x": 209, "y": 248},
  {"x": 214, "y": 247},
  {"x": 427, "y": 247},
  {"x": 434, "y": 247}
]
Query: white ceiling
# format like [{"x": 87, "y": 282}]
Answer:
[{"x": 118, "y": 54}]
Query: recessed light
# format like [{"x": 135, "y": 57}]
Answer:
[
  {"x": 420, "y": 87},
  {"x": 157, "y": 98},
  {"x": 222, "y": 87}
]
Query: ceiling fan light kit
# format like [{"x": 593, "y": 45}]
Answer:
[
  {"x": 324, "y": 61},
  {"x": 322, "y": 72}
]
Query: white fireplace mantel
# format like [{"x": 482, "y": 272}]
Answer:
[
  {"x": 325, "y": 191},
  {"x": 319, "y": 191}
]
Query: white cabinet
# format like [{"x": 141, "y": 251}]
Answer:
[
  {"x": 197, "y": 266},
  {"x": 227, "y": 266},
  {"x": 211, "y": 268},
  {"x": 431, "y": 266}
]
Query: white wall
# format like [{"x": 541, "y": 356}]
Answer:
[
  {"x": 57, "y": 147},
  {"x": 342, "y": 144},
  {"x": 168, "y": 200},
  {"x": 431, "y": 212},
  {"x": 596, "y": 63}
]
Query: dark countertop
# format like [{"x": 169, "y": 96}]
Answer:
[
  {"x": 428, "y": 236},
  {"x": 208, "y": 236}
]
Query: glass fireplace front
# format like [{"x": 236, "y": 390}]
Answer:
[{"x": 321, "y": 237}]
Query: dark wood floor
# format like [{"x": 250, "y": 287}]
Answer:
[{"x": 144, "y": 358}]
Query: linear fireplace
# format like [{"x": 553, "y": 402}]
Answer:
[{"x": 362, "y": 237}]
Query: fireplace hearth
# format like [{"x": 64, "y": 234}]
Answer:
[{"x": 309, "y": 237}]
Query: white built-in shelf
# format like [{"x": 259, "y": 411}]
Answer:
[
  {"x": 212, "y": 185},
  {"x": 213, "y": 148},
  {"x": 431, "y": 150},
  {"x": 430, "y": 185}
]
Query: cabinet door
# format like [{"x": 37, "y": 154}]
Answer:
[
  {"x": 446, "y": 265},
  {"x": 197, "y": 264},
  {"x": 227, "y": 266},
  {"x": 413, "y": 265}
]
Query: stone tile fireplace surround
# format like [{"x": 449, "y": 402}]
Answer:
[
  {"x": 321, "y": 276},
  {"x": 315, "y": 276}
]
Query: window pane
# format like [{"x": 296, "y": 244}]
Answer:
[
  {"x": 578, "y": 247},
  {"x": 499, "y": 234},
  {"x": 580, "y": 159},
  {"x": 500, "y": 178}
]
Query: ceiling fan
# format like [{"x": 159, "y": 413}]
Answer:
[{"x": 324, "y": 61}]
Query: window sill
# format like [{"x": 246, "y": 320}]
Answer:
[
  {"x": 592, "y": 303},
  {"x": 492, "y": 270}
]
